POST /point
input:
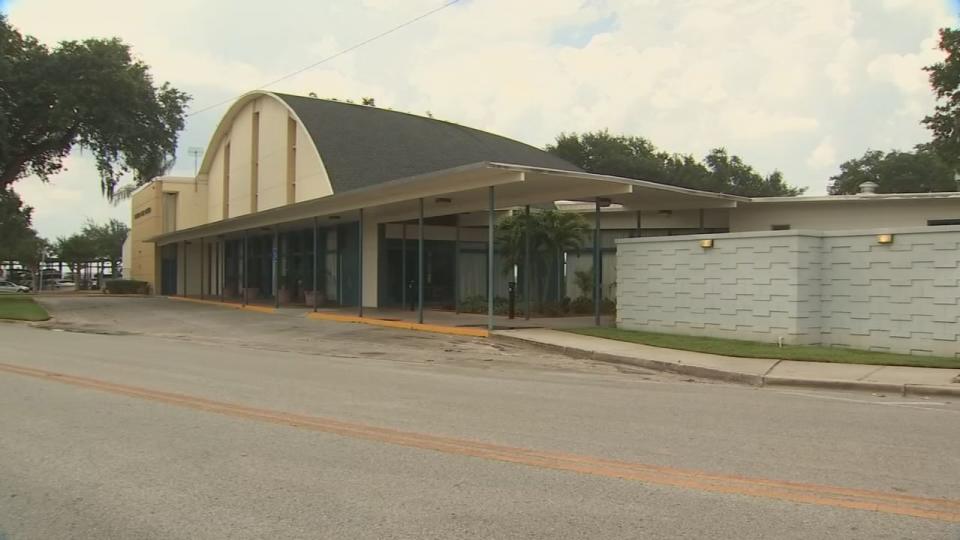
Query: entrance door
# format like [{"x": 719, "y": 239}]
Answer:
[
  {"x": 168, "y": 270},
  {"x": 438, "y": 273}
]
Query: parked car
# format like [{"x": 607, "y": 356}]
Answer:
[
  {"x": 10, "y": 287},
  {"x": 65, "y": 284}
]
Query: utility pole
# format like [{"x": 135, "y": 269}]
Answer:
[{"x": 196, "y": 152}]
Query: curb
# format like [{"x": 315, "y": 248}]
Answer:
[
  {"x": 403, "y": 325},
  {"x": 906, "y": 389},
  {"x": 231, "y": 305},
  {"x": 658, "y": 365}
]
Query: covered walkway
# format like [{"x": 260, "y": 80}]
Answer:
[{"x": 413, "y": 244}]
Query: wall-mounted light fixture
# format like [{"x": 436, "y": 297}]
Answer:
[
  {"x": 443, "y": 200},
  {"x": 706, "y": 243},
  {"x": 885, "y": 238}
]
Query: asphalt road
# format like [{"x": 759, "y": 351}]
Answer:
[{"x": 156, "y": 419}]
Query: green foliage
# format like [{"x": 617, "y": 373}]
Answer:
[
  {"x": 478, "y": 304},
  {"x": 635, "y": 157},
  {"x": 104, "y": 242},
  {"x": 21, "y": 308},
  {"x": 18, "y": 240},
  {"x": 894, "y": 172},
  {"x": 15, "y": 219},
  {"x": 75, "y": 249},
  {"x": 551, "y": 233},
  {"x": 945, "y": 80},
  {"x": 107, "y": 239},
  {"x": 756, "y": 349},
  {"x": 126, "y": 286},
  {"x": 584, "y": 281},
  {"x": 92, "y": 93},
  {"x": 581, "y": 305}
]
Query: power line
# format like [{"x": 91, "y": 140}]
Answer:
[{"x": 335, "y": 55}]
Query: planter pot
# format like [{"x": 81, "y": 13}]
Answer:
[
  {"x": 250, "y": 292},
  {"x": 308, "y": 297},
  {"x": 286, "y": 295}
]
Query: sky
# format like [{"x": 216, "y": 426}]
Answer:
[{"x": 794, "y": 85}]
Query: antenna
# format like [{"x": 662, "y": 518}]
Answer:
[{"x": 196, "y": 152}]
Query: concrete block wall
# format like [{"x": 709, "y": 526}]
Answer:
[
  {"x": 899, "y": 297},
  {"x": 838, "y": 288},
  {"x": 757, "y": 286}
]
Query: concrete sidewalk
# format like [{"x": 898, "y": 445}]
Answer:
[{"x": 754, "y": 371}]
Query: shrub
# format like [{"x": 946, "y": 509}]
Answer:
[
  {"x": 581, "y": 305},
  {"x": 553, "y": 309},
  {"x": 126, "y": 286},
  {"x": 478, "y": 304}
]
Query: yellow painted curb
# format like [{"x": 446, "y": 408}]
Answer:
[
  {"x": 403, "y": 325},
  {"x": 232, "y": 305}
]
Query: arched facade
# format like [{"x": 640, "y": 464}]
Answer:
[{"x": 260, "y": 157}]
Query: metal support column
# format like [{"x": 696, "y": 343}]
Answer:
[
  {"x": 203, "y": 278},
  {"x": 701, "y": 221},
  {"x": 219, "y": 268},
  {"x": 360, "y": 265},
  {"x": 243, "y": 270},
  {"x": 597, "y": 293},
  {"x": 456, "y": 266},
  {"x": 491, "y": 224},
  {"x": 316, "y": 248},
  {"x": 526, "y": 262},
  {"x": 185, "y": 244},
  {"x": 420, "y": 264},
  {"x": 275, "y": 275},
  {"x": 403, "y": 265},
  {"x": 639, "y": 224}
]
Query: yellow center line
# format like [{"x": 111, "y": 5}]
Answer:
[{"x": 817, "y": 494}]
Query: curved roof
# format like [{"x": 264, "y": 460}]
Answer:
[{"x": 363, "y": 146}]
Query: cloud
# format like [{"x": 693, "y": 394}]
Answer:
[
  {"x": 824, "y": 155},
  {"x": 796, "y": 85},
  {"x": 61, "y": 206}
]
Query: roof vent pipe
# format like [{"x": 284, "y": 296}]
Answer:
[{"x": 868, "y": 188}]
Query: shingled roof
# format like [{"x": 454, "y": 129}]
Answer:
[{"x": 363, "y": 146}]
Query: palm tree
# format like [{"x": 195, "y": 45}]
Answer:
[
  {"x": 552, "y": 233},
  {"x": 153, "y": 166}
]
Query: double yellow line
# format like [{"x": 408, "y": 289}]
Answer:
[{"x": 818, "y": 494}]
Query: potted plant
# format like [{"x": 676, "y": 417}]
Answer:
[{"x": 321, "y": 293}]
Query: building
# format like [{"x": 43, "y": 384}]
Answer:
[{"x": 315, "y": 202}]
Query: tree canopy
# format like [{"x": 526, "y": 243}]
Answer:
[
  {"x": 94, "y": 241},
  {"x": 91, "y": 93},
  {"x": 636, "y": 157},
  {"x": 18, "y": 240},
  {"x": 894, "y": 172},
  {"x": 945, "y": 80}
]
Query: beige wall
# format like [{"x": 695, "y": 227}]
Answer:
[
  {"x": 146, "y": 218},
  {"x": 147, "y": 211},
  {"x": 191, "y": 202},
  {"x": 842, "y": 214},
  {"x": 215, "y": 186},
  {"x": 311, "y": 179}
]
